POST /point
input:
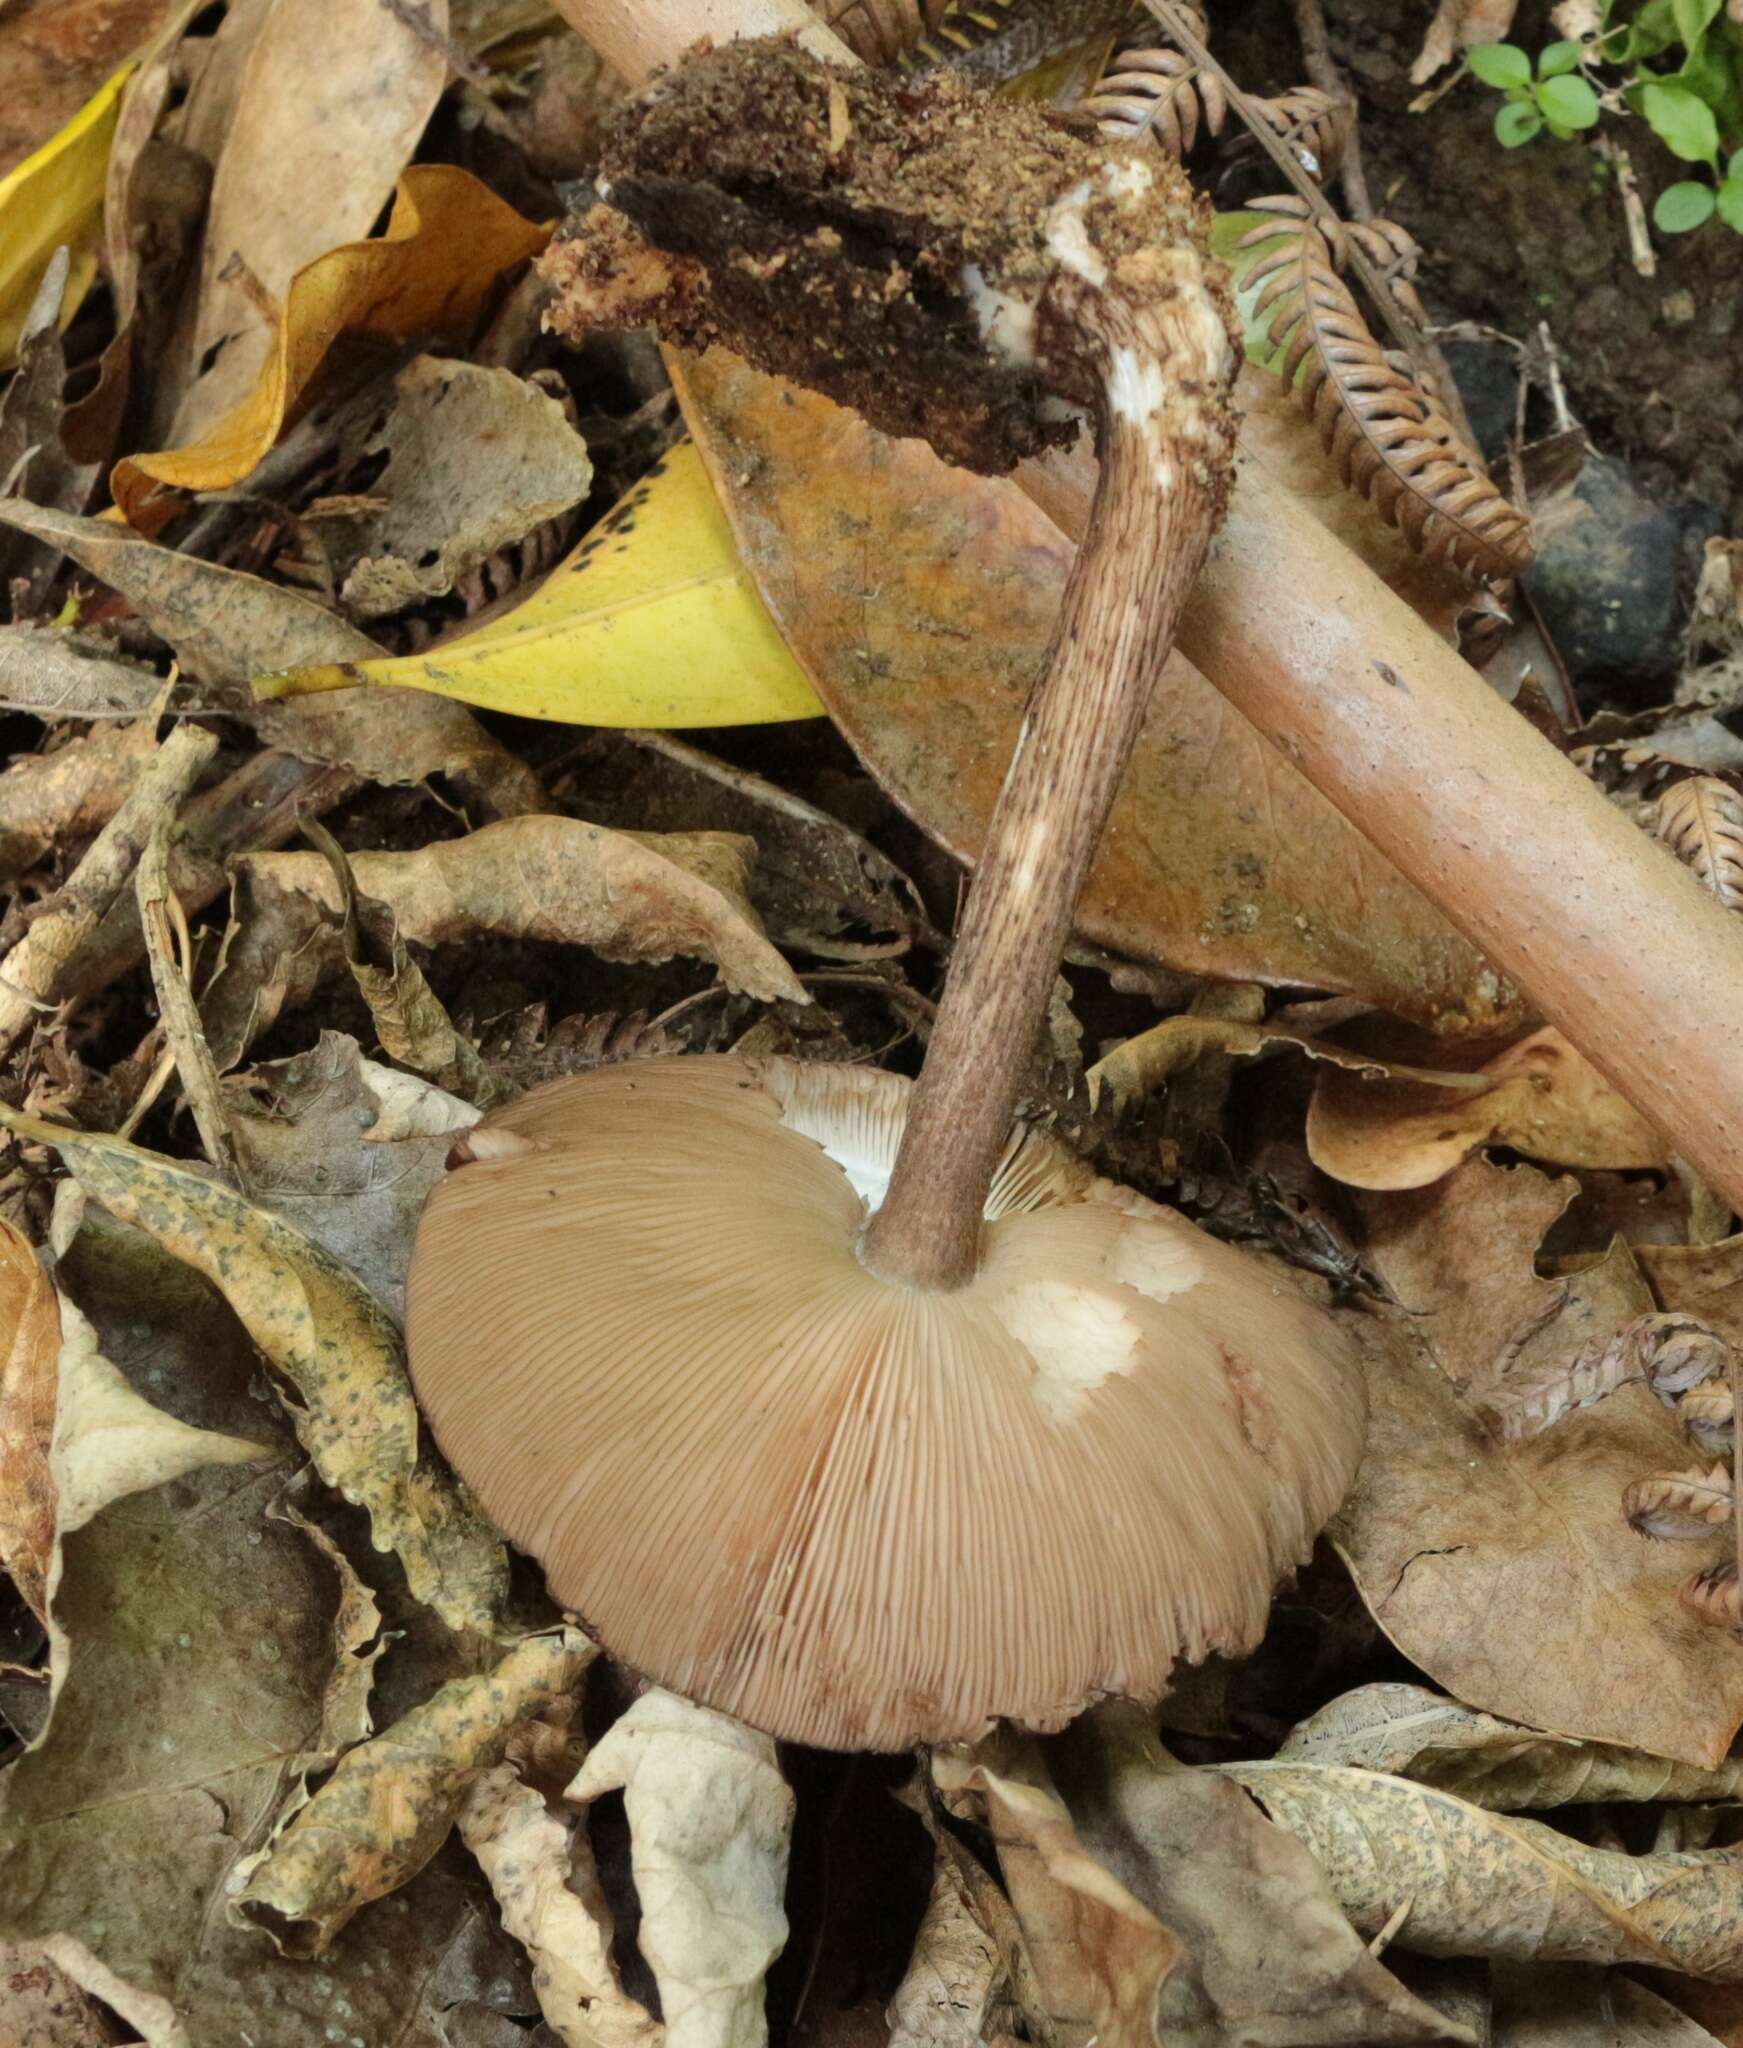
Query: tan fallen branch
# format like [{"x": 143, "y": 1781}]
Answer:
[
  {"x": 1640, "y": 970},
  {"x": 30, "y": 977}
]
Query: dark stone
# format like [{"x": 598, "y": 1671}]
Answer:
[
  {"x": 1609, "y": 585},
  {"x": 1488, "y": 379}
]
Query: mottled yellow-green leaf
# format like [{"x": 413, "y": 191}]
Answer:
[
  {"x": 331, "y": 1339},
  {"x": 652, "y": 621},
  {"x": 388, "y": 1806}
]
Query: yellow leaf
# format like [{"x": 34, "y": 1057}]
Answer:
[
  {"x": 448, "y": 242},
  {"x": 652, "y": 621},
  {"x": 53, "y": 198}
]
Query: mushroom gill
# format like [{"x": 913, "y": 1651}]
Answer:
[{"x": 854, "y": 1512}]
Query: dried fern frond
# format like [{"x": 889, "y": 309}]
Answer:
[
  {"x": 1160, "y": 96},
  {"x": 1679, "y": 1507},
  {"x": 880, "y": 31},
  {"x": 1311, "y": 125},
  {"x": 1701, "y": 821},
  {"x": 1670, "y": 1352},
  {"x": 1713, "y": 1595},
  {"x": 913, "y": 34},
  {"x": 1386, "y": 435},
  {"x": 1709, "y": 1416}
]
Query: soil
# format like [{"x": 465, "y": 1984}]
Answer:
[{"x": 1653, "y": 366}]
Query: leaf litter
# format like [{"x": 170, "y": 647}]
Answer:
[{"x": 290, "y": 1754}]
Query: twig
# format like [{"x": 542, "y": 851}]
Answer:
[
  {"x": 1325, "y": 72},
  {"x": 1640, "y": 249},
  {"x": 417, "y": 17},
  {"x": 35, "y": 967},
  {"x": 158, "y": 910}
]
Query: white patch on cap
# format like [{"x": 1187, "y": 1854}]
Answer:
[
  {"x": 1068, "y": 238},
  {"x": 1077, "y": 1337},
  {"x": 1007, "y": 323},
  {"x": 868, "y": 1177},
  {"x": 1158, "y": 1257}
]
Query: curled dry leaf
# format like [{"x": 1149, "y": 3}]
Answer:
[
  {"x": 1539, "y": 1097},
  {"x": 1132, "y": 1070},
  {"x": 341, "y": 92},
  {"x": 921, "y": 600},
  {"x": 710, "y": 1823},
  {"x": 948, "y": 1991},
  {"x": 1680, "y": 1507},
  {"x": 1267, "y": 1953},
  {"x": 543, "y": 1877},
  {"x": 153, "y": 2019},
  {"x": 447, "y": 246},
  {"x": 331, "y": 1339},
  {"x": 1408, "y": 1732},
  {"x": 1467, "y": 1882},
  {"x": 30, "y": 1319},
  {"x": 390, "y": 1802},
  {"x": 1100, "y": 1957},
  {"x": 1460, "y": 25},
  {"x": 476, "y": 458},
  {"x": 629, "y": 896},
  {"x": 1520, "y": 1588},
  {"x": 1701, "y": 821}
]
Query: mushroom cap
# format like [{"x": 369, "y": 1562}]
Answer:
[{"x": 849, "y": 1512}]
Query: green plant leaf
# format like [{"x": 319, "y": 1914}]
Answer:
[
  {"x": 1730, "y": 203},
  {"x": 1557, "y": 58},
  {"x": 1516, "y": 123},
  {"x": 1568, "y": 102},
  {"x": 1708, "y": 76},
  {"x": 1682, "y": 207},
  {"x": 1503, "y": 65},
  {"x": 1683, "y": 123},
  {"x": 1692, "y": 17},
  {"x": 1654, "y": 29}
]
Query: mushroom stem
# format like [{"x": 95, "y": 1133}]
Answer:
[{"x": 1163, "y": 484}]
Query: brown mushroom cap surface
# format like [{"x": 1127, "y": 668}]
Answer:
[{"x": 853, "y": 1513}]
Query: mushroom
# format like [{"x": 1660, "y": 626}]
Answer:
[{"x": 845, "y": 1407}]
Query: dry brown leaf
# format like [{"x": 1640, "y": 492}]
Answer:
[
  {"x": 1505, "y": 1570},
  {"x": 1701, "y": 821},
  {"x": 1143, "y": 1063},
  {"x": 225, "y": 626},
  {"x": 208, "y": 1667},
  {"x": 328, "y": 106},
  {"x": 1477, "y": 1883},
  {"x": 1539, "y": 1097},
  {"x": 710, "y": 1824},
  {"x": 948, "y": 1991},
  {"x": 331, "y": 1339},
  {"x": 1461, "y": 25},
  {"x": 55, "y": 56},
  {"x": 30, "y": 1319},
  {"x": 1680, "y": 1507},
  {"x": 542, "y": 1875},
  {"x": 390, "y": 1802},
  {"x": 476, "y": 458},
  {"x": 54, "y": 673},
  {"x": 1409, "y": 1732},
  {"x": 644, "y": 896},
  {"x": 345, "y": 1150},
  {"x": 1101, "y": 1958},
  {"x": 921, "y": 601},
  {"x": 1267, "y": 1953},
  {"x": 1702, "y": 1280}
]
